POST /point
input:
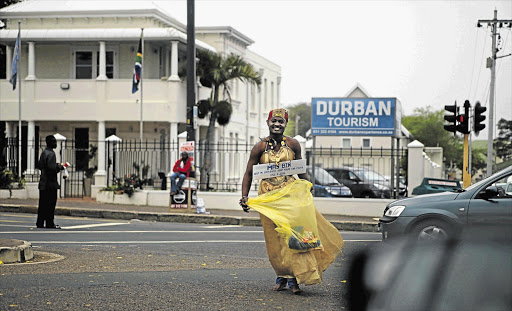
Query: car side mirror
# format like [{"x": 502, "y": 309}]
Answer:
[{"x": 489, "y": 192}]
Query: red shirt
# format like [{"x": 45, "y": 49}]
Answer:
[{"x": 185, "y": 169}]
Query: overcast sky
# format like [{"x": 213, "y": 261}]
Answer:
[{"x": 422, "y": 52}]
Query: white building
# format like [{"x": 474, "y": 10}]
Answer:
[{"x": 76, "y": 68}]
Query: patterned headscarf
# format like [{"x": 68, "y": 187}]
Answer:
[{"x": 279, "y": 112}]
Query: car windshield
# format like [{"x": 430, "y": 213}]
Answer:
[
  {"x": 483, "y": 181},
  {"x": 324, "y": 178},
  {"x": 370, "y": 175}
]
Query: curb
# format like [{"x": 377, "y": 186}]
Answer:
[
  {"x": 12, "y": 251},
  {"x": 175, "y": 217}
]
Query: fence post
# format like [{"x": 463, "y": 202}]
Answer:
[
  {"x": 61, "y": 146},
  {"x": 113, "y": 155},
  {"x": 415, "y": 160}
]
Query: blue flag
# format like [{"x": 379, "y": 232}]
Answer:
[
  {"x": 15, "y": 59},
  {"x": 138, "y": 68}
]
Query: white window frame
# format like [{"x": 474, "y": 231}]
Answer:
[
  {"x": 94, "y": 49},
  {"x": 349, "y": 142}
]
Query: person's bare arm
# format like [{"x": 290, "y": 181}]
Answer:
[
  {"x": 254, "y": 159},
  {"x": 295, "y": 146}
]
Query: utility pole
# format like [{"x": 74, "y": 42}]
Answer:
[{"x": 494, "y": 23}]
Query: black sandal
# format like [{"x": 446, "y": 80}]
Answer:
[
  {"x": 296, "y": 289},
  {"x": 279, "y": 287}
]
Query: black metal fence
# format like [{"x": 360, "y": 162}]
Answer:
[{"x": 152, "y": 160}]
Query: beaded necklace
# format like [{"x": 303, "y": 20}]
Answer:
[{"x": 283, "y": 144}]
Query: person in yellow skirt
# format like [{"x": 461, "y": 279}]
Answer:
[{"x": 292, "y": 267}]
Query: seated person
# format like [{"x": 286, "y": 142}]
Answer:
[{"x": 180, "y": 170}]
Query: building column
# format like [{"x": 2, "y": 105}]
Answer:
[
  {"x": 167, "y": 61},
  {"x": 415, "y": 160},
  {"x": 100, "y": 177},
  {"x": 31, "y": 62},
  {"x": 8, "y": 62},
  {"x": 31, "y": 148},
  {"x": 103, "y": 62},
  {"x": 174, "y": 62}
]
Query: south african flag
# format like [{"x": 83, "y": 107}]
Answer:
[{"x": 138, "y": 69}]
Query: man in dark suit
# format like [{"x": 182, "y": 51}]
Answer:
[{"x": 48, "y": 185}]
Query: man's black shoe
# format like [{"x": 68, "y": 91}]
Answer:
[
  {"x": 54, "y": 227},
  {"x": 40, "y": 226}
]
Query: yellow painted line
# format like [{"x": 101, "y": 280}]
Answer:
[
  {"x": 26, "y": 216},
  {"x": 3, "y": 220}
]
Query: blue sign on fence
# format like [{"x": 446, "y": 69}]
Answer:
[{"x": 355, "y": 117}]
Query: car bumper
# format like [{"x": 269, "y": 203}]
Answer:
[{"x": 391, "y": 227}]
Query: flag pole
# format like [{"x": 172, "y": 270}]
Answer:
[
  {"x": 19, "y": 99},
  {"x": 141, "y": 88}
]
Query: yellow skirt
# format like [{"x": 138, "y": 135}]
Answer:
[{"x": 308, "y": 266}]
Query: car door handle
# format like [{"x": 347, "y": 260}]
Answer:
[{"x": 462, "y": 209}]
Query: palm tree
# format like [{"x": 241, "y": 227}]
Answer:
[{"x": 215, "y": 71}]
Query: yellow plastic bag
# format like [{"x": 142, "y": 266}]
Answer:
[{"x": 292, "y": 210}]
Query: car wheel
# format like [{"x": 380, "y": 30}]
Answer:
[{"x": 432, "y": 230}]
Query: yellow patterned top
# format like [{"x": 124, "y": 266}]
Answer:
[{"x": 284, "y": 153}]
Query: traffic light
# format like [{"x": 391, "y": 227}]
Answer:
[
  {"x": 463, "y": 126},
  {"x": 478, "y": 118},
  {"x": 451, "y": 118},
  {"x": 463, "y": 119}
]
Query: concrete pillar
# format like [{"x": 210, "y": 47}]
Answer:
[
  {"x": 103, "y": 62},
  {"x": 302, "y": 142},
  {"x": 31, "y": 148},
  {"x": 173, "y": 132},
  {"x": 174, "y": 62},
  {"x": 167, "y": 61},
  {"x": 8, "y": 62},
  {"x": 113, "y": 146},
  {"x": 415, "y": 167},
  {"x": 31, "y": 62},
  {"x": 100, "y": 177}
]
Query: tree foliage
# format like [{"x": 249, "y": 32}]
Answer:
[
  {"x": 504, "y": 141},
  {"x": 5, "y": 3},
  {"x": 303, "y": 110},
  {"x": 426, "y": 125},
  {"x": 216, "y": 71}
]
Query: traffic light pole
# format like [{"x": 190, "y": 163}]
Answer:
[{"x": 466, "y": 176}]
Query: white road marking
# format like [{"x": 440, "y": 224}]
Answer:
[
  {"x": 163, "y": 242},
  {"x": 121, "y": 231},
  {"x": 94, "y": 225},
  {"x": 222, "y": 226},
  {"x": 141, "y": 242}
]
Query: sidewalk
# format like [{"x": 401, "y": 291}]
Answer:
[
  {"x": 87, "y": 207},
  {"x": 19, "y": 251}
]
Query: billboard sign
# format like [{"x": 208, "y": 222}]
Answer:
[{"x": 355, "y": 117}]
